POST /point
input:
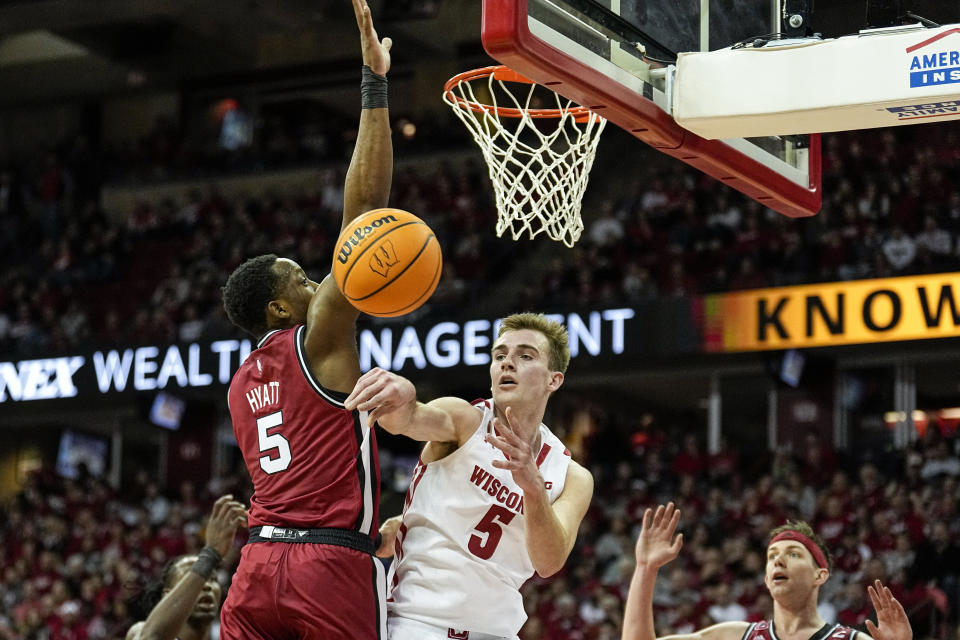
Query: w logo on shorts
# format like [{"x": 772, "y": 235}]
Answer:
[
  {"x": 458, "y": 635},
  {"x": 384, "y": 256}
]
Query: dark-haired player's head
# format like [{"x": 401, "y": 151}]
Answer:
[
  {"x": 798, "y": 562},
  {"x": 267, "y": 292},
  {"x": 207, "y": 606}
]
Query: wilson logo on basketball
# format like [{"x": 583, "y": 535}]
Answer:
[
  {"x": 384, "y": 257},
  {"x": 358, "y": 235}
]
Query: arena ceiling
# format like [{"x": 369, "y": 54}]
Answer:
[{"x": 52, "y": 49}]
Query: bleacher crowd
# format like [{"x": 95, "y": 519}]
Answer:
[
  {"x": 71, "y": 273},
  {"x": 79, "y": 557}
]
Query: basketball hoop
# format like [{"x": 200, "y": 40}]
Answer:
[{"x": 539, "y": 178}]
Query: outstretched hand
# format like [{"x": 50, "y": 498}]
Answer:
[
  {"x": 892, "y": 621},
  {"x": 376, "y": 53},
  {"x": 380, "y": 393},
  {"x": 518, "y": 453},
  {"x": 656, "y": 545},
  {"x": 227, "y": 516}
]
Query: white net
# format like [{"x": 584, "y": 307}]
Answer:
[{"x": 539, "y": 173}]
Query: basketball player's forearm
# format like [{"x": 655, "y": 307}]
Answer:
[
  {"x": 371, "y": 168},
  {"x": 548, "y": 543},
  {"x": 173, "y": 610},
  {"x": 399, "y": 421},
  {"x": 420, "y": 422},
  {"x": 638, "y": 611}
]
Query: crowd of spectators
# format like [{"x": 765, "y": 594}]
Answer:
[
  {"x": 892, "y": 515},
  {"x": 82, "y": 561},
  {"x": 78, "y": 554},
  {"x": 228, "y": 140},
  {"x": 73, "y": 275}
]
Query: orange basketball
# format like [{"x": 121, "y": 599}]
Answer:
[{"x": 387, "y": 262}]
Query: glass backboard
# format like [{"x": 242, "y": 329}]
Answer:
[{"x": 614, "y": 57}]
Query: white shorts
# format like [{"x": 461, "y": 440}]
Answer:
[{"x": 407, "y": 629}]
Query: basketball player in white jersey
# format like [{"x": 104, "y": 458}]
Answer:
[
  {"x": 494, "y": 497},
  {"x": 798, "y": 564}
]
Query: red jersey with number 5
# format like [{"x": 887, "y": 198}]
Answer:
[{"x": 312, "y": 462}]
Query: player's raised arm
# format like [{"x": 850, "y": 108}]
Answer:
[
  {"x": 656, "y": 546},
  {"x": 371, "y": 168},
  {"x": 331, "y": 332}
]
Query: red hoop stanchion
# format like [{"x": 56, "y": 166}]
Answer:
[{"x": 539, "y": 177}]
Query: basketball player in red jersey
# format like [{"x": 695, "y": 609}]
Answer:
[
  {"x": 309, "y": 569},
  {"x": 191, "y": 592},
  {"x": 798, "y": 563}
]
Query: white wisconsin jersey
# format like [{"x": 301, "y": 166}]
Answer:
[{"x": 461, "y": 553}]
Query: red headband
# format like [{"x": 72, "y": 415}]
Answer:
[{"x": 796, "y": 536}]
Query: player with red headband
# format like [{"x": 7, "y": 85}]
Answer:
[{"x": 798, "y": 563}]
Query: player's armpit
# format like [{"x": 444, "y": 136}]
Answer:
[{"x": 331, "y": 338}]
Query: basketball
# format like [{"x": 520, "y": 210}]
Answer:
[{"x": 387, "y": 262}]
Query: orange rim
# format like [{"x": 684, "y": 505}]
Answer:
[{"x": 504, "y": 74}]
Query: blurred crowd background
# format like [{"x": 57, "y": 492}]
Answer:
[
  {"x": 116, "y": 240},
  {"x": 81, "y": 560},
  {"x": 74, "y": 273}
]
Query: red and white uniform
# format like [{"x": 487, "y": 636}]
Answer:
[
  {"x": 764, "y": 630},
  {"x": 313, "y": 465},
  {"x": 461, "y": 551}
]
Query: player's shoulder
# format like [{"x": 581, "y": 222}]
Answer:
[
  {"x": 578, "y": 477},
  {"x": 734, "y": 630},
  {"x": 465, "y": 415}
]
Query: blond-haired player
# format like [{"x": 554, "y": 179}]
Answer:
[
  {"x": 798, "y": 564},
  {"x": 494, "y": 497}
]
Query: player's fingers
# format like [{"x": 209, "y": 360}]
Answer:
[
  {"x": 658, "y": 515},
  {"x": 506, "y": 432},
  {"x": 368, "y": 397},
  {"x": 874, "y": 598},
  {"x": 358, "y": 6},
  {"x": 888, "y": 595},
  {"x": 668, "y": 512},
  {"x": 677, "y": 543},
  {"x": 895, "y": 604},
  {"x": 674, "y": 520},
  {"x": 219, "y": 504},
  {"x": 499, "y": 443},
  {"x": 647, "y": 519},
  {"x": 872, "y": 630},
  {"x": 351, "y": 402}
]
